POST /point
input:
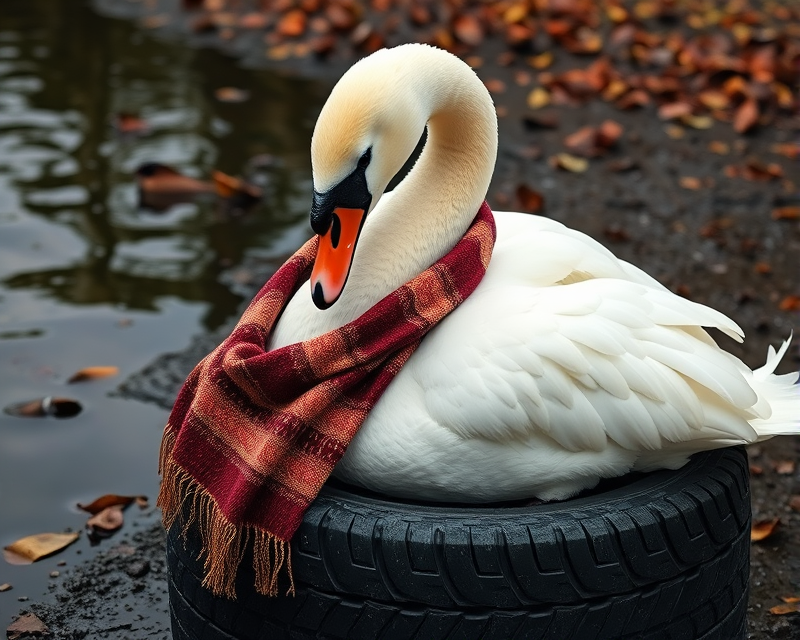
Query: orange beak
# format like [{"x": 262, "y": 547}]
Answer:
[{"x": 335, "y": 255}]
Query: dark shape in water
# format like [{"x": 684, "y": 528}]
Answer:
[{"x": 47, "y": 406}]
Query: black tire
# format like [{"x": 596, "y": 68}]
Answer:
[{"x": 664, "y": 555}]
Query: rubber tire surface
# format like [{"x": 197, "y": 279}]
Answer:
[{"x": 665, "y": 556}]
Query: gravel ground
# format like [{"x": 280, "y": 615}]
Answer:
[{"x": 705, "y": 243}]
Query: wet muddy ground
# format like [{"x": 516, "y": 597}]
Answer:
[{"x": 706, "y": 243}]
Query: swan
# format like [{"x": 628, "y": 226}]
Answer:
[{"x": 566, "y": 364}]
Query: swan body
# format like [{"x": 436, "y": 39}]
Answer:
[{"x": 566, "y": 365}]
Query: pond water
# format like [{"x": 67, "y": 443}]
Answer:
[{"x": 89, "y": 278}]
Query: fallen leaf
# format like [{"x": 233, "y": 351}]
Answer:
[
  {"x": 106, "y": 521},
  {"x": 746, "y": 116},
  {"x": 763, "y": 268},
  {"x": 786, "y": 213},
  {"x": 690, "y": 182},
  {"x": 26, "y": 626},
  {"x": 32, "y": 548},
  {"x": 468, "y": 29},
  {"x": 161, "y": 186},
  {"x": 538, "y": 98},
  {"x": 790, "y": 303},
  {"x": 783, "y": 609},
  {"x": 541, "y": 61},
  {"x": 109, "y": 500},
  {"x": 789, "y": 149},
  {"x": 47, "y": 406},
  {"x": 529, "y": 200},
  {"x": 763, "y": 529},
  {"x": 616, "y": 234},
  {"x": 93, "y": 373},
  {"x": 231, "y": 94},
  {"x": 719, "y": 147},
  {"x": 794, "y": 503},
  {"x": 495, "y": 85},
  {"x": 790, "y": 599},
  {"x": 292, "y": 24},
  {"x": 784, "y": 467},
  {"x": 569, "y": 162},
  {"x": 674, "y": 131},
  {"x": 697, "y": 122},
  {"x": 674, "y": 110},
  {"x": 756, "y": 470},
  {"x": 619, "y": 165},
  {"x": 5, "y": 587}
]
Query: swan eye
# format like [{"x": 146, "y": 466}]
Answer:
[{"x": 363, "y": 161}]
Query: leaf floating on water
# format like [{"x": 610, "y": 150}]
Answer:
[
  {"x": 106, "y": 522},
  {"x": 790, "y": 303},
  {"x": 130, "y": 124},
  {"x": 110, "y": 500},
  {"x": 93, "y": 373},
  {"x": 5, "y": 587},
  {"x": 26, "y": 626},
  {"x": 763, "y": 529},
  {"x": 32, "y": 548},
  {"x": 48, "y": 406}
]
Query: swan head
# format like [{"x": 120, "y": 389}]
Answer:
[{"x": 366, "y": 131}]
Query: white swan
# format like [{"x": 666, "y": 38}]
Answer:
[{"x": 566, "y": 365}]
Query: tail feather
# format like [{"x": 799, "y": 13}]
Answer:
[{"x": 781, "y": 393}]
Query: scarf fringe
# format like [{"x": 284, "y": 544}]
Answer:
[{"x": 222, "y": 543}]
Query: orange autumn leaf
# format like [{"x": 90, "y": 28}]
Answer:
[
  {"x": 93, "y": 373},
  {"x": 786, "y": 213},
  {"x": 790, "y": 599},
  {"x": 783, "y": 609},
  {"x": 529, "y": 200},
  {"x": 746, "y": 116},
  {"x": 690, "y": 182},
  {"x": 790, "y": 303},
  {"x": 292, "y": 24},
  {"x": 763, "y": 529},
  {"x": 468, "y": 29}
]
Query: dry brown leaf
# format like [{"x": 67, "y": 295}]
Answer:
[
  {"x": 529, "y": 200},
  {"x": 783, "y": 609},
  {"x": 569, "y": 162},
  {"x": 786, "y": 213},
  {"x": 746, "y": 116},
  {"x": 5, "y": 587},
  {"x": 106, "y": 521},
  {"x": 130, "y": 124},
  {"x": 690, "y": 182},
  {"x": 697, "y": 122},
  {"x": 719, "y": 147},
  {"x": 32, "y": 548},
  {"x": 789, "y": 149},
  {"x": 26, "y": 626},
  {"x": 713, "y": 99},
  {"x": 763, "y": 529},
  {"x": 616, "y": 234},
  {"x": 231, "y": 187},
  {"x": 763, "y": 268},
  {"x": 790, "y": 599},
  {"x": 495, "y": 85},
  {"x": 108, "y": 500},
  {"x": 231, "y": 94},
  {"x": 468, "y": 29},
  {"x": 292, "y": 24},
  {"x": 93, "y": 373},
  {"x": 608, "y": 133},
  {"x": 756, "y": 470},
  {"x": 674, "y": 110},
  {"x": 790, "y": 303}
]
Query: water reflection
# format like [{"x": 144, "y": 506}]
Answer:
[
  {"x": 86, "y": 276},
  {"x": 63, "y": 76}
]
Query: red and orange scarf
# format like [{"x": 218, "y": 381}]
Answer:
[{"x": 254, "y": 434}]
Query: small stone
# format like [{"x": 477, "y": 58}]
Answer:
[
  {"x": 55, "y": 574},
  {"x": 137, "y": 568},
  {"x": 5, "y": 587},
  {"x": 23, "y": 598}
]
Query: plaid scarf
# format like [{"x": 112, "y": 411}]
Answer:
[{"x": 254, "y": 434}]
